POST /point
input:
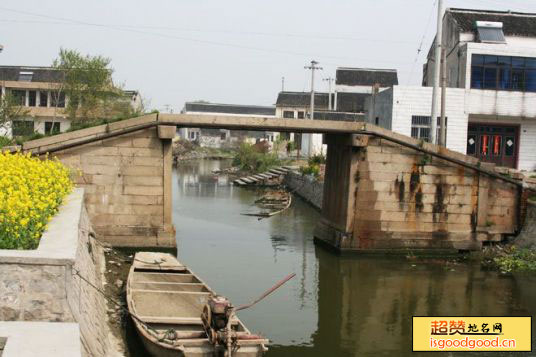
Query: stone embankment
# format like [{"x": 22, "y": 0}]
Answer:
[
  {"x": 306, "y": 186},
  {"x": 52, "y": 283},
  {"x": 527, "y": 237}
]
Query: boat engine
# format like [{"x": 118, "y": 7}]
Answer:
[{"x": 216, "y": 318}]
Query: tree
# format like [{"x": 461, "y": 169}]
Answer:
[
  {"x": 86, "y": 83},
  {"x": 10, "y": 110}
]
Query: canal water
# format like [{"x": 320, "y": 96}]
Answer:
[{"x": 335, "y": 306}]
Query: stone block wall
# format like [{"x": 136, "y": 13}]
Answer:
[
  {"x": 399, "y": 198},
  {"x": 45, "y": 285},
  {"x": 127, "y": 179},
  {"x": 308, "y": 188},
  {"x": 527, "y": 238}
]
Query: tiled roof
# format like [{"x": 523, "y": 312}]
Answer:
[
  {"x": 302, "y": 99},
  {"x": 366, "y": 77},
  {"x": 514, "y": 23},
  {"x": 229, "y": 108},
  {"x": 40, "y": 74}
]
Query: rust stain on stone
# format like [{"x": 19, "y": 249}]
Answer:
[
  {"x": 400, "y": 187},
  {"x": 418, "y": 200},
  {"x": 415, "y": 179}
]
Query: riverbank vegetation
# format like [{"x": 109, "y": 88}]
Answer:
[
  {"x": 31, "y": 190},
  {"x": 256, "y": 158},
  {"x": 313, "y": 166},
  {"x": 190, "y": 150},
  {"x": 508, "y": 259}
]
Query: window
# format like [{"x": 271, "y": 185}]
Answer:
[
  {"x": 223, "y": 135},
  {"x": 52, "y": 127},
  {"x": 509, "y": 149},
  {"x": 43, "y": 98},
  {"x": 193, "y": 135},
  {"x": 32, "y": 98},
  {"x": 301, "y": 115},
  {"x": 471, "y": 144},
  {"x": 19, "y": 96},
  {"x": 503, "y": 73},
  {"x": 377, "y": 121},
  {"x": 420, "y": 127},
  {"x": 57, "y": 100},
  {"x": 23, "y": 127},
  {"x": 288, "y": 114},
  {"x": 491, "y": 32},
  {"x": 25, "y": 76}
]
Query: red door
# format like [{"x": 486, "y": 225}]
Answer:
[{"x": 494, "y": 143}]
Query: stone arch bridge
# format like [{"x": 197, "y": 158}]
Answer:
[{"x": 383, "y": 191}]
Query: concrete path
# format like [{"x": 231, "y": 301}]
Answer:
[{"x": 40, "y": 339}]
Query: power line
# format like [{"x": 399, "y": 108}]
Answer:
[
  {"x": 206, "y": 42},
  {"x": 223, "y": 31},
  {"x": 422, "y": 41}
]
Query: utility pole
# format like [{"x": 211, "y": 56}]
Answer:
[
  {"x": 330, "y": 81},
  {"x": 282, "y": 84},
  {"x": 437, "y": 69},
  {"x": 443, "y": 120},
  {"x": 313, "y": 67}
]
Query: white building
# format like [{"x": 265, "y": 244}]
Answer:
[
  {"x": 217, "y": 138},
  {"x": 491, "y": 94},
  {"x": 297, "y": 105}
]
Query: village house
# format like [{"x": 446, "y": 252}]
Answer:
[
  {"x": 491, "y": 89},
  {"x": 218, "y": 138},
  {"x": 346, "y": 103},
  {"x": 37, "y": 90}
]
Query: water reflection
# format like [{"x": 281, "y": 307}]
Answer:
[{"x": 335, "y": 306}]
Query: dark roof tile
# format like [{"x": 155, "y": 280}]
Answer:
[
  {"x": 514, "y": 23},
  {"x": 229, "y": 108},
  {"x": 366, "y": 77},
  {"x": 302, "y": 99},
  {"x": 40, "y": 74}
]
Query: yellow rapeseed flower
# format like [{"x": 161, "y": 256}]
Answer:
[{"x": 30, "y": 192}]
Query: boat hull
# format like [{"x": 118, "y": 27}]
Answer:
[{"x": 165, "y": 300}]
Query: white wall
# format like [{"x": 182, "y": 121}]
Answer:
[
  {"x": 409, "y": 101},
  {"x": 39, "y": 123}
]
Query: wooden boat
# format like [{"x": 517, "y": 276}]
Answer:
[
  {"x": 272, "y": 203},
  {"x": 166, "y": 300}
]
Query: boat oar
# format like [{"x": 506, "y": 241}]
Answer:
[{"x": 268, "y": 292}]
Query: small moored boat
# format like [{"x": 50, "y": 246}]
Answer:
[{"x": 177, "y": 314}]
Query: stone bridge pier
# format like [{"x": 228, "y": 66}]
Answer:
[
  {"x": 125, "y": 169},
  {"x": 381, "y": 196}
]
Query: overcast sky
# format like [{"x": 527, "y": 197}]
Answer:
[{"x": 233, "y": 51}]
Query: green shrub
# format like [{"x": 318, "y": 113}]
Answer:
[
  {"x": 5, "y": 141},
  {"x": 310, "y": 170},
  {"x": 316, "y": 160},
  {"x": 250, "y": 158}
]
